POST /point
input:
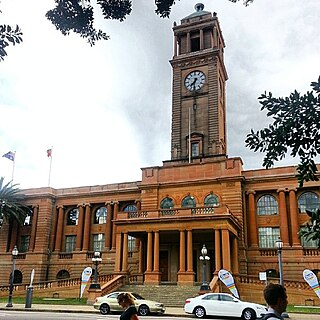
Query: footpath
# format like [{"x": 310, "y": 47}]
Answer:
[{"x": 170, "y": 311}]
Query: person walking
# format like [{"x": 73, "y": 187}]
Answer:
[
  {"x": 276, "y": 298},
  {"x": 126, "y": 301}
]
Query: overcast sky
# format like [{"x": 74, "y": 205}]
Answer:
[{"x": 106, "y": 110}]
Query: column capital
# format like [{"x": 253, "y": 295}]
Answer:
[
  {"x": 294, "y": 189},
  {"x": 282, "y": 190},
  {"x": 250, "y": 192},
  {"x": 87, "y": 204},
  {"x": 36, "y": 206},
  {"x": 80, "y": 205},
  {"x": 109, "y": 202},
  {"x": 60, "y": 206}
]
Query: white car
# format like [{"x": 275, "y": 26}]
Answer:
[
  {"x": 223, "y": 304},
  {"x": 109, "y": 303}
]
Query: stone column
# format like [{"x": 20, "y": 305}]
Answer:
[
  {"x": 125, "y": 253},
  {"x": 149, "y": 252},
  {"x": 87, "y": 225},
  {"x": 235, "y": 255},
  {"x": 217, "y": 249},
  {"x": 117, "y": 264},
  {"x": 225, "y": 249},
  {"x": 252, "y": 220},
  {"x": 141, "y": 257},
  {"x": 175, "y": 42},
  {"x": 54, "y": 228},
  {"x": 201, "y": 40},
  {"x": 114, "y": 227},
  {"x": 188, "y": 42},
  {"x": 284, "y": 232},
  {"x": 138, "y": 204},
  {"x": 58, "y": 243},
  {"x": 189, "y": 251},
  {"x": 34, "y": 223},
  {"x": 108, "y": 230},
  {"x": 80, "y": 227},
  {"x": 156, "y": 251},
  {"x": 182, "y": 260},
  {"x": 294, "y": 217}
]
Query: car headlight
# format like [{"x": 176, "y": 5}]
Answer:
[
  {"x": 261, "y": 308},
  {"x": 158, "y": 304}
]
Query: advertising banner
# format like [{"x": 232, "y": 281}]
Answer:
[
  {"x": 312, "y": 281},
  {"x": 227, "y": 278},
  {"x": 86, "y": 274}
]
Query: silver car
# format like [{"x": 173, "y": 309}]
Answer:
[
  {"x": 109, "y": 303},
  {"x": 223, "y": 304}
]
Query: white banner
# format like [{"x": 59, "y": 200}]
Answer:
[
  {"x": 227, "y": 278},
  {"x": 86, "y": 274},
  {"x": 312, "y": 281}
]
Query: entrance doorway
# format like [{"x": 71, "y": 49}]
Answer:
[{"x": 164, "y": 264}]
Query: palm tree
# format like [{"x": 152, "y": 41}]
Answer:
[{"x": 11, "y": 203}]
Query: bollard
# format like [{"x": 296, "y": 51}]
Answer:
[{"x": 29, "y": 297}]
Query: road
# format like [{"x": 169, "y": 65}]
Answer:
[{"x": 27, "y": 315}]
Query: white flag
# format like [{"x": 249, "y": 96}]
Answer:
[
  {"x": 227, "y": 278},
  {"x": 86, "y": 274},
  {"x": 312, "y": 281}
]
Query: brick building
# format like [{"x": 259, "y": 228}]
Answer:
[{"x": 154, "y": 229}]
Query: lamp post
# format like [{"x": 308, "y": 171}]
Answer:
[
  {"x": 14, "y": 256},
  {"x": 96, "y": 260},
  {"x": 204, "y": 258},
  {"x": 279, "y": 246}
]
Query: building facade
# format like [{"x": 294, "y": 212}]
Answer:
[{"x": 154, "y": 229}]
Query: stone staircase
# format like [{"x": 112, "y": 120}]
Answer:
[{"x": 169, "y": 295}]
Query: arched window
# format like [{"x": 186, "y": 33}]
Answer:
[
  {"x": 17, "y": 278},
  {"x": 308, "y": 201},
  {"x": 63, "y": 274},
  {"x": 211, "y": 200},
  {"x": 72, "y": 217},
  {"x": 130, "y": 208},
  {"x": 267, "y": 205},
  {"x": 166, "y": 203},
  {"x": 188, "y": 202},
  {"x": 100, "y": 216}
]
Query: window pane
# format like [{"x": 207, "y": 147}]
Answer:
[
  {"x": 195, "y": 149},
  {"x": 131, "y": 243},
  {"x": 166, "y": 203},
  {"x": 100, "y": 216},
  {"x": 72, "y": 218},
  {"x": 211, "y": 200},
  {"x": 24, "y": 244},
  {"x": 267, "y": 205},
  {"x": 70, "y": 243},
  {"x": 130, "y": 208},
  {"x": 268, "y": 237},
  {"x": 189, "y": 202},
  {"x": 308, "y": 201},
  {"x": 98, "y": 242}
]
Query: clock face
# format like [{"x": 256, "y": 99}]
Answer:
[{"x": 195, "y": 80}]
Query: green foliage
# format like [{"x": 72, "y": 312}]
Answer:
[
  {"x": 11, "y": 203},
  {"x": 312, "y": 231},
  {"x": 295, "y": 129},
  {"x": 8, "y": 35}
]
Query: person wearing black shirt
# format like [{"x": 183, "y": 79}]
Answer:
[{"x": 126, "y": 301}]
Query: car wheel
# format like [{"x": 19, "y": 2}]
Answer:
[
  {"x": 143, "y": 310},
  {"x": 249, "y": 314},
  {"x": 104, "y": 309},
  {"x": 199, "y": 312}
]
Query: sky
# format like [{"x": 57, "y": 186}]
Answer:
[{"x": 106, "y": 110}]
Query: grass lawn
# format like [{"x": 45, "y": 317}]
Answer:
[{"x": 303, "y": 309}]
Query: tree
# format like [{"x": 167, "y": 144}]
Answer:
[
  {"x": 11, "y": 203},
  {"x": 78, "y": 16},
  {"x": 295, "y": 129}
]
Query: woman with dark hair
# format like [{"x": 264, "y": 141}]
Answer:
[{"x": 126, "y": 301}]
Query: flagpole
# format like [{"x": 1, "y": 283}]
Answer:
[
  {"x": 50, "y": 167},
  {"x": 13, "y": 165}
]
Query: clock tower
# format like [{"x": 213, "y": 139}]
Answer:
[{"x": 198, "y": 95}]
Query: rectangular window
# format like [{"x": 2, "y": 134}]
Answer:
[
  {"x": 195, "y": 149},
  {"x": 268, "y": 237},
  {"x": 24, "y": 244},
  {"x": 308, "y": 243},
  {"x": 131, "y": 245},
  {"x": 70, "y": 243},
  {"x": 98, "y": 242}
]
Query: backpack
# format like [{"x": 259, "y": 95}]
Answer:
[{"x": 269, "y": 315}]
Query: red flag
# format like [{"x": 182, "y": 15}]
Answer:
[{"x": 49, "y": 153}]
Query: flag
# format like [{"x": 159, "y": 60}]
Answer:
[
  {"x": 9, "y": 155},
  {"x": 227, "y": 278},
  {"x": 312, "y": 281},
  {"x": 86, "y": 274},
  {"x": 49, "y": 153}
]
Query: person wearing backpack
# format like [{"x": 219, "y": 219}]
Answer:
[{"x": 276, "y": 298}]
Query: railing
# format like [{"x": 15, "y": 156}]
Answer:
[
  {"x": 311, "y": 252},
  {"x": 64, "y": 255},
  {"x": 136, "y": 278},
  {"x": 169, "y": 213},
  {"x": 21, "y": 256},
  {"x": 268, "y": 252},
  {"x": 113, "y": 284}
]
